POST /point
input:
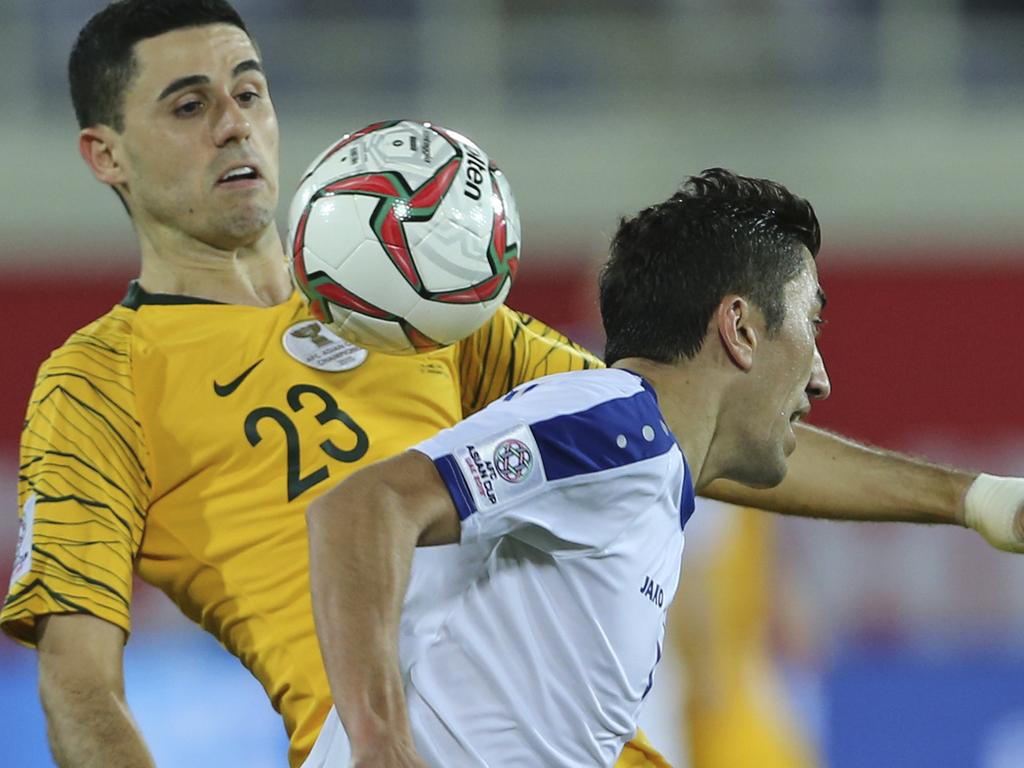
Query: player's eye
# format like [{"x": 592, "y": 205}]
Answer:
[
  {"x": 819, "y": 322},
  {"x": 189, "y": 108},
  {"x": 248, "y": 97}
]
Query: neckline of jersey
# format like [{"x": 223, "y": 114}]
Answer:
[
  {"x": 643, "y": 383},
  {"x": 138, "y": 296}
]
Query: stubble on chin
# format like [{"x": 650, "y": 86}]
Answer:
[{"x": 244, "y": 227}]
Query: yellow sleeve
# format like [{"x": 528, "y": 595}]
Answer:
[
  {"x": 510, "y": 349},
  {"x": 83, "y": 486}
]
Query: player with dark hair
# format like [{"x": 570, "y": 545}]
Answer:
[
  {"x": 534, "y": 641},
  {"x": 727, "y": 236},
  {"x": 103, "y": 61},
  {"x": 181, "y": 435}
]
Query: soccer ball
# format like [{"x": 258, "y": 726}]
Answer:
[{"x": 403, "y": 237}]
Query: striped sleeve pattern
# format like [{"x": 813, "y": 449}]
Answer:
[
  {"x": 512, "y": 348},
  {"x": 83, "y": 480}
]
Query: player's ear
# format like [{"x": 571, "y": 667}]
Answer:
[
  {"x": 100, "y": 147},
  {"x": 734, "y": 321}
]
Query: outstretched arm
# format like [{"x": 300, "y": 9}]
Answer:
[
  {"x": 362, "y": 536},
  {"x": 81, "y": 685},
  {"x": 833, "y": 477}
]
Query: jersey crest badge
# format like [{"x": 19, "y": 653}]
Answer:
[{"x": 316, "y": 345}]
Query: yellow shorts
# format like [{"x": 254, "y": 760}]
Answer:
[{"x": 639, "y": 753}]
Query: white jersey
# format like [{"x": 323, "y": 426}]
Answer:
[{"x": 534, "y": 640}]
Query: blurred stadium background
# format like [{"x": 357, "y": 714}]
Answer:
[{"x": 901, "y": 120}]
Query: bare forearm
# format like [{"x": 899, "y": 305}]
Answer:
[
  {"x": 360, "y": 556},
  {"x": 90, "y": 727},
  {"x": 832, "y": 477},
  {"x": 81, "y": 685}
]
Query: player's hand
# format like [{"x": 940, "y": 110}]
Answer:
[
  {"x": 389, "y": 753},
  {"x": 994, "y": 507}
]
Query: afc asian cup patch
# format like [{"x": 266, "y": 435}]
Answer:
[
  {"x": 23, "y": 552},
  {"x": 513, "y": 460},
  {"x": 501, "y": 467}
]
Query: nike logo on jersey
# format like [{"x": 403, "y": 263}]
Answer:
[{"x": 223, "y": 390}]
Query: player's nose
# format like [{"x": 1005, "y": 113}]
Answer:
[
  {"x": 819, "y": 386},
  {"x": 232, "y": 123}
]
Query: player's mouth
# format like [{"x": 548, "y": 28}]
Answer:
[
  {"x": 799, "y": 413},
  {"x": 240, "y": 176}
]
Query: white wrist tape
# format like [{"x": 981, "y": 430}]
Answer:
[{"x": 991, "y": 507}]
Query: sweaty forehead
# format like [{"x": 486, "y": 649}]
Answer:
[
  {"x": 818, "y": 295},
  {"x": 213, "y": 51},
  {"x": 804, "y": 288}
]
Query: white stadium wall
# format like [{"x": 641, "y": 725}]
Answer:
[{"x": 894, "y": 178}]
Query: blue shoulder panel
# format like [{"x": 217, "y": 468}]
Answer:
[{"x": 608, "y": 435}]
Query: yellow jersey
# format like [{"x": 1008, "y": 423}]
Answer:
[{"x": 183, "y": 439}]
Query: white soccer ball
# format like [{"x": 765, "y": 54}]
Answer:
[{"x": 403, "y": 237}]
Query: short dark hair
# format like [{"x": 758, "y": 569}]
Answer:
[
  {"x": 102, "y": 62},
  {"x": 671, "y": 264}
]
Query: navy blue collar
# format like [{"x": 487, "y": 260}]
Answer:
[{"x": 137, "y": 296}]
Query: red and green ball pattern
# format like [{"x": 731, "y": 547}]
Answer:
[{"x": 420, "y": 205}]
